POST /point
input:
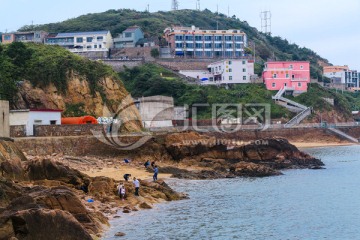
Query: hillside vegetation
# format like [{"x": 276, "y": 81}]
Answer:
[
  {"x": 43, "y": 65},
  {"x": 153, "y": 25}
]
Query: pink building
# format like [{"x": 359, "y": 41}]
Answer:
[{"x": 292, "y": 75}]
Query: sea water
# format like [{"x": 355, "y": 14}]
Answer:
[{"x": 301, "y": 204}]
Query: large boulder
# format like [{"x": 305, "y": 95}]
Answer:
[
  {"x": 11, "y": 159},
  {"x": 43, "y": 224}
]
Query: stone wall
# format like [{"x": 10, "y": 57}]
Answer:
[
  {"x": 18, "y": 131},
  {"x": 183, "y": 64},
  {"x": 136, "y": 52},
  {"x": 66, "y": 130},
  {"x": 119, "y": 65}
]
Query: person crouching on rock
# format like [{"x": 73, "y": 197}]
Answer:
[
  {"x": 156, "y": 171},
  {"x": 137, "y": 186},
  {"x": 126, "y": 176}
]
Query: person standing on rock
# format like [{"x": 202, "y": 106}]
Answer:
[
  {"x": 122, "y": 192},
  {"x": 137, "y": 186},
  {"x": 156, "y": 171}
]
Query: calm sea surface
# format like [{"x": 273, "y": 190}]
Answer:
[{"x": 301, "y": 204}]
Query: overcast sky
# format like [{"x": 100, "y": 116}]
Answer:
[{"x": 329, "y": 27}]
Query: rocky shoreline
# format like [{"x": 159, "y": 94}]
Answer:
[{"x": 41, "y": 197}]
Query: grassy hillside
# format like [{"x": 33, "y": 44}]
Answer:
[{"x": 153, "y": 25}]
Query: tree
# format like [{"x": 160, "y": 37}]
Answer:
[{"x": 155, "y": 53}]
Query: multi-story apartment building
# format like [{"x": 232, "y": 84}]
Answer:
[
  {"x": 129, "y": 38},
  {"x": 33, "y": 36},
  {"x": 196, "y": 43},
  {"x": 230, "y": 71},
  {"x": 292, "y": 75},
  {"x": 342, "y": 77},
  {"x": 82, "y": 41}
]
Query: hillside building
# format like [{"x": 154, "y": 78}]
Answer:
[
  {"x": 129, "y": 38},
  {"x": 230, "y": 71},
  {"x": 193, "y": 42},
  {"x": 33, "y": 36},
  {"x": 78, "y": 42},
  {"x": 294, "y": 75},
  {"x": 342, "y": 77}
]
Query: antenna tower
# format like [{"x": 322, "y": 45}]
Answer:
[
  {"x": 174, "y": 5},
  {"x": 266, "y": 22},
  {"x": 198, "y": 5}
]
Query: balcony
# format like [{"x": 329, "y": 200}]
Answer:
[{"x": 299, "y": 79}]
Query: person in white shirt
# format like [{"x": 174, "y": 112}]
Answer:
[{"x": 137, "y": 186}]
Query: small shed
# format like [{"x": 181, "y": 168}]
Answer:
[
  {"x": 31, "y": 117},
  {"x": 79, "y": 120}
]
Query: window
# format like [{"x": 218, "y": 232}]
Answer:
[
  {"x": 208, "y": 38},
  {"x": 230, "y": 70},
  {"x": 198, "y": 53},
  {"x": 219, "y": 68},
  {"x": 208, "y": 45},
  {"x": 218, "y": 45},
  {"x": 218, "y": 38},
  {"x": 7, "y": 37},
  {"x": 89, "y": 39},
  {"x": 230, "y": 77},
  {"x": 239, "y": 38},
  {"x": 287, "y": 75},
  {"x": 228, "y": 38},
  {"x": 238, "y": 45},
  {"x": 244, "y": 78},
  {"x": 230, "y": 62},
  {"x": 178, "y": 37},
  {"x": 228, "y": 45},
  {"x": 293, "y": 76},
  {"x": 198, "y": 38},
  {"x": 299, "y": 84},
  {"x": 128, "y": 35},
  {"x": 189, "y": 38},
  {"x": 291, "y": 66},
  {"x": 199, "y": 45},
  {"x": 95, "y": 46},
  {"x": 52, "y": 122},
  {"x": 99, "y": 38},
  {"x": 79, "y": 40},
  {"x": 244, "y": 69},
  {"x": 179, "y": 45},
  {"x": 190, "y": 45},
  {"x": 301, "y": 67},
  {"x": 243, "y": 62},
  {"x": 100, "y": 46},
  {"x": 37, "y": 122},
  {"x": 88, "y": 46},
  {"x": 274, "y": 75},
  {"x": 273, "y": 85}
]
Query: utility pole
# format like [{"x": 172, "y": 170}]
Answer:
[{"x": 174, "y": 5}]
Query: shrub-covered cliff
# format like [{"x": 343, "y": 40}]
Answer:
[{"x": 40, "y": 76}]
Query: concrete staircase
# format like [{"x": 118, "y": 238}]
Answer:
[
  {"x": 343, "y": 135},
  {"x": 302, "y": 110}
]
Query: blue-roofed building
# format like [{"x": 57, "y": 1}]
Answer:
[
  {"x": 129, "y": 37},
  {"x": 79, "y": 42}
]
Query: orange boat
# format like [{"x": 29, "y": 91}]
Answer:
[{"x": 79, "y": 120}]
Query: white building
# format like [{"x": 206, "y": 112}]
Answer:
[
  {"x": 4, "y": 119},
  {"x": 233, "y": 71},
  {"x": 342, "y": 77},
  {"x": 156, "y": 111},
  {"x": 78, "y": 42},
  {"x": 31, "y": 117}
]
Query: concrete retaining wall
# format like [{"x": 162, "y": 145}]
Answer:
[{"x": 67, "y": 130}]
